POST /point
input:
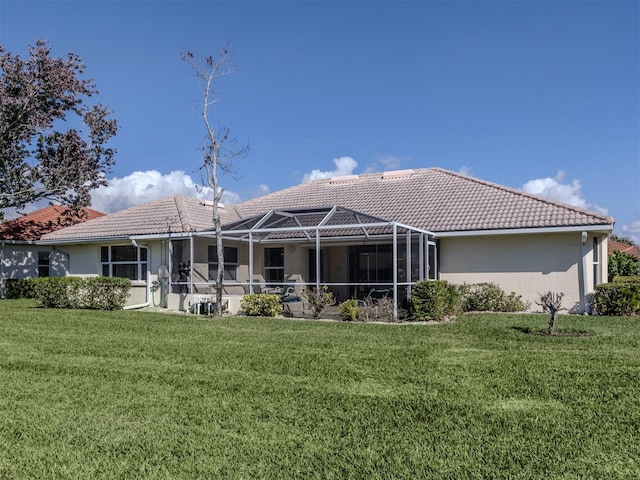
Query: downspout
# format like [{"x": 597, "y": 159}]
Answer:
[
  {"x": 148, "y": 282},
  {"x": 395, "y": 271},
  {"x": 585, "y": 277}
]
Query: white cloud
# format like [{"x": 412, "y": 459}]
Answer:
[
  {"x": 554, "y": 189},
  {"x": 465, "y": 170},
  {"x": 632, "y": 232},
  {"x": 391, "y": 162},
  {"x": 344, "y": 166},
  {"x": 142, "y": 187}
]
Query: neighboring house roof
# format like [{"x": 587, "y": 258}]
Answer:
[
  {"x": 614, "y": 245},
  {"x": 33, "y": 226},
  {"x": 432, "y": 199},
  {"x": 177, "y": 214}
]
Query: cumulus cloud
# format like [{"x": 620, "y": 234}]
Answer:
[
  {"x": 632, "y": 232},
  {"x": 344, "y": 166},
  {"x": 554, "y": 189},
  {"x": 146, "y": 186}
]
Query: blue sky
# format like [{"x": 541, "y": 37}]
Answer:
[{"x": 534, "y": 95}]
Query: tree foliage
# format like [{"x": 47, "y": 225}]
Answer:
[
  {"x": 53, "y": 145},
  {"x": 219, "y": 150},
  {"x": 622, "y": 264}
]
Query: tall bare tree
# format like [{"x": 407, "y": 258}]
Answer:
[{"x": 219, "y": 150}]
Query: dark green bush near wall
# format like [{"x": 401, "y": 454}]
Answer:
[
  {"x": 622, "y": 297},
  {"x": 98, "y": 293},
  {"x": 433, "y": 300},
  {"x": 19, "y": 288}
]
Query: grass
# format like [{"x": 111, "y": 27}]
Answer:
[{"x": 140, "y": 395}]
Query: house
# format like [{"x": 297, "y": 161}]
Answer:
[
  {"x": 20, "y": 257},
  {"x": 615, "y": 246},
  {"x": 357, "y": 234}
]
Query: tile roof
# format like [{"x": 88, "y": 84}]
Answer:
[
  {"x": 432, "y": 199},
  {"x": 172, "y": 214},
  {"x": 32, "y": 226},
  {"x": 614, "y": 245}
]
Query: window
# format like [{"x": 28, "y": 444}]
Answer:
[
  {"x": 274, "y": 265},
  {"x": 124, "y": 261},
  {"x": 44, "y": 264},
  {"x": 596, "y": 262},
  {"x": 230, "y": 263}
]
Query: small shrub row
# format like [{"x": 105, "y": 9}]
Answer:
[
  {"x": 97, "y": 293},
  {"x": 19, "y": 288},
  {"x": 489, "y": 297},
  {"x": 621, "y": 297},
  {"x": 261, "y": 305}
]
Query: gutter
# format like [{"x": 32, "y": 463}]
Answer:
[{"x": 603, "y": 228}]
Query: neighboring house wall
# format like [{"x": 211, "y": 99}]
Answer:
[
  {"x": 23, "y": 260},
  {"x": 525, "y": 264}
]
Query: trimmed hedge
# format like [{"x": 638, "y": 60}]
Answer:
[
  {"x": 621, "y": 297},
  {"x": 433, "y": 300},
  {"x": 262, "y": 305},
  {"x": 97, "y": 293},
  {"x": 19, "y": 288}
]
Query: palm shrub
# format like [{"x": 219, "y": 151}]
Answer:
[{"x": 261, "y": 305}]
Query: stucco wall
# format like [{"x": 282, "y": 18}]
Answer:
[{"x": 525, "y": 264}]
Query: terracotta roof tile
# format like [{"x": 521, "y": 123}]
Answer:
[
  {"x": 33, "y": 226},
  {"x": 175, "y": 214},
  {"x": 614, "y": 245},
  {"x": 432, "y": 198}
]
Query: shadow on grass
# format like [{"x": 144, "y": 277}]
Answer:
[{"x": 545, "y": 333}]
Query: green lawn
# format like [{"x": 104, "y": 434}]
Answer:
[{"x": 140, "y": 395}]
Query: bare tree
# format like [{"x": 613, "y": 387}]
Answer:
[
  {"x": 551, "y": 302},
  {"x": 219, "y": 150}
]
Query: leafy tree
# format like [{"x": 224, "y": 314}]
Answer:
[
  {"x": 625, "y": 240},
  {"x": 219, "y": 150},
  {"x": 623, "y": 264},
  {"x": 52, "y": 144}
]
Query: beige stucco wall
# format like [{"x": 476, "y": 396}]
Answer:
[{"x": 525, "y": 264}]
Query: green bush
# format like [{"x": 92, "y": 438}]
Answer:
[
  {"x": 433, "y": 300},
  {"x": 261, "y": 305},
  {"x": 617, "y": 298},
  {"x": 59, "y": 292},
  {"x": 19, "y": 288},
  {"x": 349, "y": 310},
  {"x": 489, "y": 297},
  {"x": 97, "y": 293},
  {"x": 105, "y": 293},
  {"x": 622, "y": 264}
]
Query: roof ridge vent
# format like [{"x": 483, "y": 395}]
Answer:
[
  {"x": 343, "y": 179},
  {"x": 397, "y": 174}
]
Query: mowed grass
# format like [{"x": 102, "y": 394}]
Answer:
[{"x": 87, "y": 394}]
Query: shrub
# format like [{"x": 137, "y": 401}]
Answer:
[
  {"x": 617, "y": 298},
  {"x": 622, "y": 264},
  {"x": 261, "y": 305},
  {"x": 551, "y": 302},
  {"x": 489, "y": 297},
  {"x": 97, "y": 293},
  {"x": 434, "y": 300},
  {"x": 349, "y": 310},
  {"x": 106, "y": 293},
  {"x": 19, "y": 288},
  {"x": 58, "y": 292},
  {"x": 318, "y": 298}
]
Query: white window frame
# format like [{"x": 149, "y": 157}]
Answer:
[{"x": 142, "y": 266}]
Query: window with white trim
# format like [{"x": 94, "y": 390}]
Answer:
[
  {"x": 596, "y": 262},
  {"x": 124, "y": 261},
  {"x": 44, "y": 264},
  {"x": 230, "y": 263}
]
